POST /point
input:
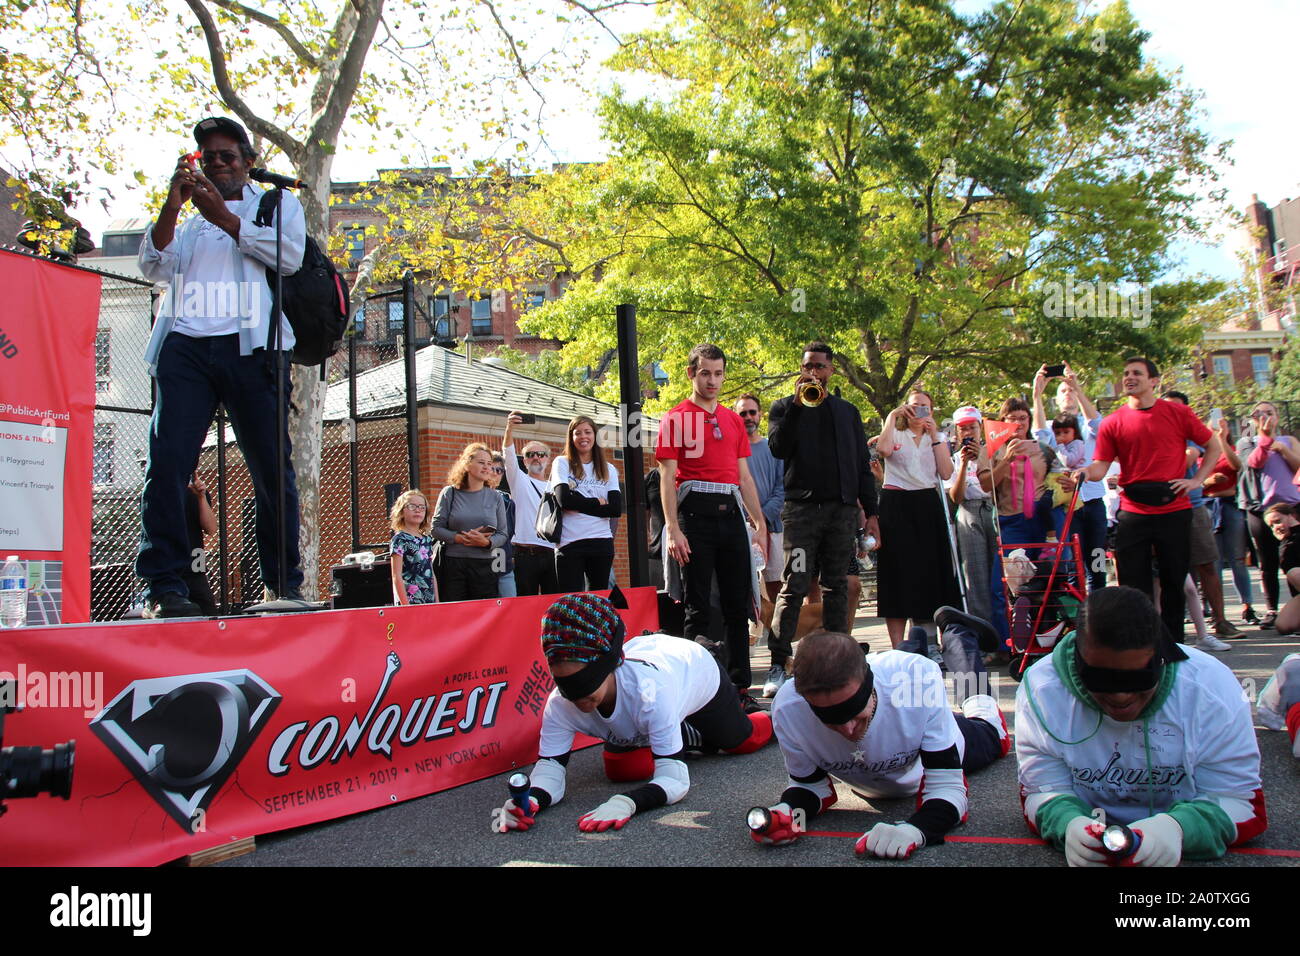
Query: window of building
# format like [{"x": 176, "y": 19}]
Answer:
[
  {"x": 1223, "y": 367},
  {"x": 355, "y": 240},
  {"x": 440, "y": 312},
  {"x": 102, "y": 462},
  {"x": 103, "y": 360},
  {"x": 481, "y": 316},
  {"x": 359, "y": 323},
  {"x": 122, "y": 243},
  {"x": 1261, "y": 366},
  {"x": 534, "y": 299},
  {"x": 396, "y": 317}
]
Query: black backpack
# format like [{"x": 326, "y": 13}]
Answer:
[{"x": 315, "y": 297}]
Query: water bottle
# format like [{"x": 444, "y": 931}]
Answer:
[
  {"x": 759, "y": 561},
  {"x": 13, "y": 593}
]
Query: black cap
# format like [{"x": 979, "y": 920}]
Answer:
[{"x": 220, "y": 124}]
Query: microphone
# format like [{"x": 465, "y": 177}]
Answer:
[{"x": 275, "y": 179}]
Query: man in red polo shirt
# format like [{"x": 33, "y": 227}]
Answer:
[
  {"x": 1148, "y": 437},
  {"x": 703, "y": 474}
]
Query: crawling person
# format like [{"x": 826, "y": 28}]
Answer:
[{"x": 651, "y": 700}]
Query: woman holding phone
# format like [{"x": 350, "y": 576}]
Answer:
[
  {"x": 587, "y": 487},
  {"x": 914, "y": 573},
  {"x": 470, "y": 520}
]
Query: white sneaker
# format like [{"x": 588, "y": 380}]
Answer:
[
  {"x": 1211, "y": 643},
  {"x": 985, "y": 708},
  {"x": 776, "y": 676}
]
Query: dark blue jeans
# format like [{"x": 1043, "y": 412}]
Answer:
[{"x": 194, "y": 374}]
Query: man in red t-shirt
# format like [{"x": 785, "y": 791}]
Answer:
[
  {"x": 705, "y": 443},
  {"x": 1148, "y": 437}
]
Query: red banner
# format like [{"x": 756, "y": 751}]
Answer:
[
  {"x": 48, "y": 317},
  {"x": 191, "y": 734}
]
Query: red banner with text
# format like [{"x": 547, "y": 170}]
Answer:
[
  {"x": 192, "y": 734},
  {"x": 49, "y": 314}
]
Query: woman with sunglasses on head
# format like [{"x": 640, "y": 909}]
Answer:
[
  {"x": 470, "y": 520},
  {"x": 651, "y": 700},
  {"x": 914, "y": 573},
  {"x": 586, "y": 485}
]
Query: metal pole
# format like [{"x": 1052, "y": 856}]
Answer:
[
  {"x": 352, "y": 437},
  {"x": 281, "y": 409},
  {"x": 629, "y": 373},
  {"x": 408, "y": 350},
  {"x": 223, "y": 537}
]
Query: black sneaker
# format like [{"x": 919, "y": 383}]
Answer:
[
  {"x": 171, "y": 604},
  {"x": 1248, "y": 616},
  {"x": 1270, "y": 620},
  {"x": 747, "y": 703}
]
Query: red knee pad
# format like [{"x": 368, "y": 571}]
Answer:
[
  {"x": 761, "y": 734},
  {"x": 630, "y": 766},
  {"x": 1293, "y": 721}
]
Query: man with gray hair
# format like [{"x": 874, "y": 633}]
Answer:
[{"x": 534, "y": 558}]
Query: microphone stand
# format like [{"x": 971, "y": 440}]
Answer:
[{"x": 281, "y": 604}]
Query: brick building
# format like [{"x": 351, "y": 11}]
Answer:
[
  {"x": 1249, "y": 346},
  {"x": 458, "y": 401}
]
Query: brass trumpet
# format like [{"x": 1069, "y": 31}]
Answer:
[{"x": 810, "y": 391}]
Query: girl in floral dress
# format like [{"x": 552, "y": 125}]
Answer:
[{"x": 412, "y": 550}]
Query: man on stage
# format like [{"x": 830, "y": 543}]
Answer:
[
  {"x": 1156, "y": 735},
  {"x": 881, "y": 724},
  {"x": 209, "y": 345}
]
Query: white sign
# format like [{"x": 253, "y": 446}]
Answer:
[{"x": 31, "y": 486}]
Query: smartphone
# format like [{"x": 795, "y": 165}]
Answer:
[
  {"x": 921, "y": 411},
  {"x": 1055, "y": 371},
  {"x": 968, "y": 443},
  {"x": 1216, "y": 416},
  {"x": 488, "y": 530},
  {"x": 527, "y": 419}
]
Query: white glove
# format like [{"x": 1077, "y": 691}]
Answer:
[
  {"x": 894, "y": 841},
  {"x": 1162, "y": 841},
  {"x": 510, "y": 817},
  {"x": 1083, "y": 842},
  {"x": 613, "y": 813}
]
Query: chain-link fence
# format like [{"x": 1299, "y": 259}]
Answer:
[
  {"x": 365, "y": 460},
  {"x": 123, "y": 405}
]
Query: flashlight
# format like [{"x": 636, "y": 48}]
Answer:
[
  {"x": 519, "y": 785},
  {"x": 193, "y": 157},
  {"x": 1120, "y": 842},
  {"x": 759, "y": 819}
]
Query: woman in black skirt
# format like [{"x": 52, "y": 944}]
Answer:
[{"x": 914, "y": 575}]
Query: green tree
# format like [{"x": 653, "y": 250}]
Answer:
[
  {"x": 912, "y": 185},
  {"x": 75, "y": 76}
]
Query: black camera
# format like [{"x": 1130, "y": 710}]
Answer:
[{"x": 31, "y": 771}]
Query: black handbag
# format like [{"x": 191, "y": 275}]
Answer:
[{"x": 550, "y": 518}]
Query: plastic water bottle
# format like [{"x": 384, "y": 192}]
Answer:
[
  {"x": 13, "y": 593},
  {"x": 759, "y": 561}
]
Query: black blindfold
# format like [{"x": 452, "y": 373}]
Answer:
[{"x": 847, "y": 710}]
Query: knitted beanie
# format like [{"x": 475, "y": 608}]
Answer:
[{"x": 580, "y": 628}]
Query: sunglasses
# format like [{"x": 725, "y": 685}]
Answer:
[
  {"x": 717, "y": 431},
  {"x": 750, "y": 414},
  {"x": 536, "y": 454},
  {"x": 227, "y": 156}
]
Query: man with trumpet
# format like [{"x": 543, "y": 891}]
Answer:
[{"x": 828, "y": 479}]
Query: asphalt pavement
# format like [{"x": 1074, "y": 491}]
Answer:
[{"x": 707, "y": 827}]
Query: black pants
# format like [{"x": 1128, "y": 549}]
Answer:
[
  {"x": 534, "y": 571},
  {"x": 1266, "y": 549},
  {"x": 583, "y": 565},
  {"x": 1168, "y": 537},
  {"x": 466, "y": 579},
  {"x": 819, "y": 539},
  {"x": 718, "y": 545},
  {"x": 721, "y": 723},
  {"x": 983, "y": 745}
]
